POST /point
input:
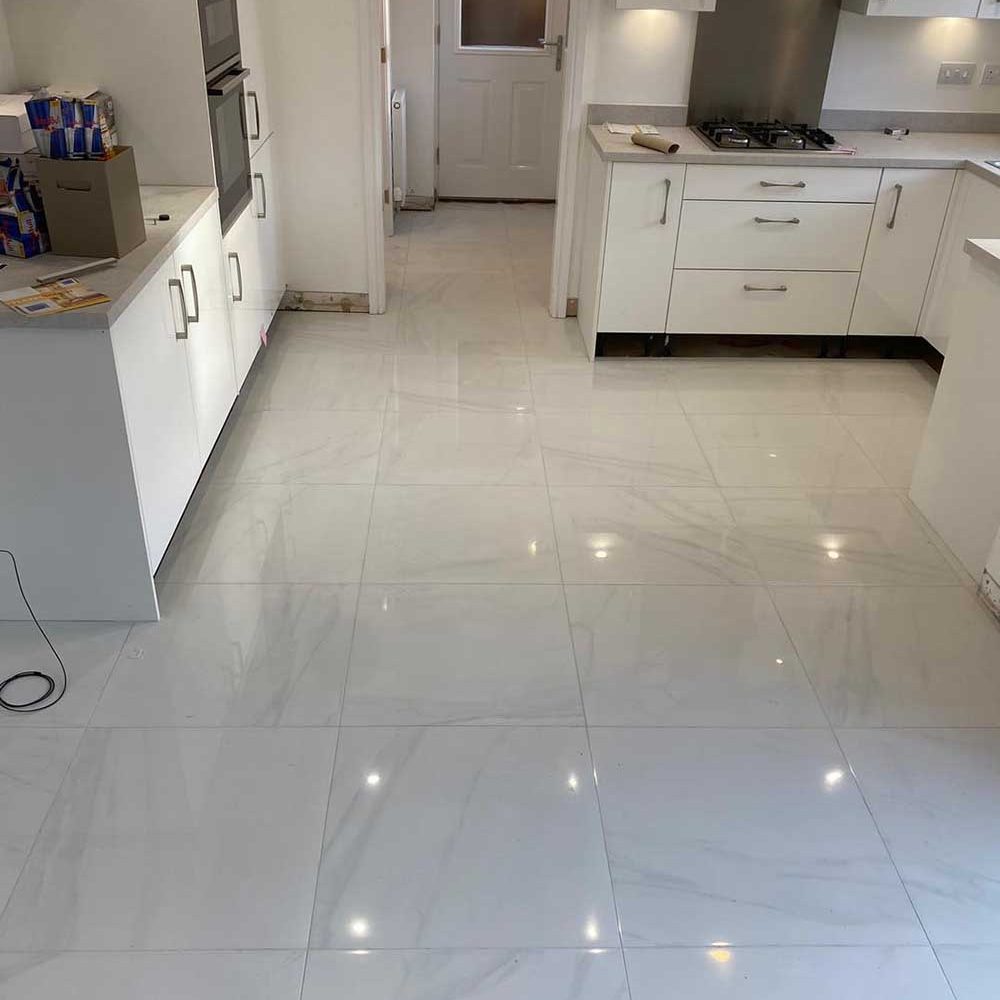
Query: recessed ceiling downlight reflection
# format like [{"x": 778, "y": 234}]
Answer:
[{"x": 359, "y": 927}]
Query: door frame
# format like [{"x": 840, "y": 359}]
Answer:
[{"x": 571, "y": 126}]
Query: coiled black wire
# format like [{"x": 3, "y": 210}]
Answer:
[{"x": 42, "y": 702}]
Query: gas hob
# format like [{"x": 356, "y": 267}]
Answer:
[{"x": 765, "y": 135}]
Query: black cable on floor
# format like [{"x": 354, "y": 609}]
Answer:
[{"x": 41, "y": 703}]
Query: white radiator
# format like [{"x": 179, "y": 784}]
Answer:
[{"x": 399, "y": 180}]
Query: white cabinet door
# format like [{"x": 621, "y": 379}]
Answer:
[
  {"x": 258, "y": 113},
  {"x": 159, "y": 409},
  {"x": 243, "y": 269},
  {"x": 914, "y": 8},
  {"x": 990, "y": 9},
  {"x": 909, "y": 217},
  {"x": 267, "y": 211},
  {"x": 643, "y": 220},
  {"x": 200, "y": 265}
]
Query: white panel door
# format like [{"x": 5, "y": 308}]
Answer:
[
  {"x": 499, "y": 109},
  {"x": 909, "y": 217}
]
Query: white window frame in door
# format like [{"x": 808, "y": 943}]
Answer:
[{"x": 506, "y": 50}]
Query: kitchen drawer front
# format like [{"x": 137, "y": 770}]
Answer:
[
  {"x": 740, "y": 234},
  {"x": 740, "y": 183},
  {"x": 720, "y": 302}
]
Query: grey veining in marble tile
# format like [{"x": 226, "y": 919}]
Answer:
[
  {"x": 648, "y": 535},
  {"x": 466, "y": 975},
  {"x": 177, "y": 839},
  {"x": 478, "y": 381},
  {"x": 754, "y": 837},
  {"x": 738, "y": 387},
  {"x": 461, "y": 655},
  {"x": 244, "y": 975},
  {"x": 973, "y": 971},
  {"x": 786, "y": 973},
  {"x": 609, "y": 386},
  {"x": 235, "y": 655},
  {"x": 471, "y": 837},
  {"x": 892, "y": 442},
  {"x": 687, "y": 656},
  {"x": 933, "y": 794},
  {"x": 897, "y": 656}
]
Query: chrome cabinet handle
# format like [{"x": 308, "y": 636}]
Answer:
[
  {"x": 188, "y": 269},
  {"x": 765, "y": 288},
  {"x": 239, "y": 276},
  {"x": 252, "y": 96},
  {"x": 666, "y": 204},
  {"x": 776, "y": 184},
  {"x": 895, "y": 208},
  {"x": 263, "y": 195},
  {"x": 179, "y": 285},
  {"x": 778, "y": 222}
]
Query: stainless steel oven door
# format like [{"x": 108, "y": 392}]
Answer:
[
  {"x": 229, "y": 140},
  {"x": 220, "y": 32}
]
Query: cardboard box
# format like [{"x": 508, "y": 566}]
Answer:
[
  {"x": 92, "y": 207},
  {"x": 16, "y": 135}
]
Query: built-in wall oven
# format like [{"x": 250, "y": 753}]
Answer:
[{"x": 225, "y": 76}]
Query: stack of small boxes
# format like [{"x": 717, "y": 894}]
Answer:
[
  {"x": 73, "y": 126},
  {"x": 23, "y": 232}
]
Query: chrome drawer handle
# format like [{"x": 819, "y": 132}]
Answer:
[
  {"x": 776, "y": 184},
  {"x": 252, "y": 96},
  {"x": 895, "y": 209},
  {"x": 188, "y": 269},
  {"x": 765, "y": 288},
  {"x": 666, "y": 204},
  {"x": 237, "y": 297},
  {"x": 262, "y": 214},
  {"x": 778, "y": 222},
  {"x": 179, "y": 285}
]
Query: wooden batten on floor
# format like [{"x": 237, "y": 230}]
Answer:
[{"x": 344, "y": 302}]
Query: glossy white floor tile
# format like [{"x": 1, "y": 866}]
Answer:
[
  {"x": 973, "y": 971},
  {"x": 466, "y": 975},
  {"x": 612, "y": 386},
  {"x": 177, "y": 839},
  {"x": 235, "y": 655},
  {"x": 462, "y": 655},
  {"x": 687, "y": 656},
  {"x": 755, "y": 837},
  {"x": 260, "y": 975},
  {"x": 502, "y": 844},
  {"x": 786, "y": 973},
  {"x": 897, "y": 656},
  {"x": 934, "y": 796},
  {"x": 478, "y": 381},
  {"x": 891, "y": 442}
]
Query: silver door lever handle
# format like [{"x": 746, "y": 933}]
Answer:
[{"x": 559, "y": 45}]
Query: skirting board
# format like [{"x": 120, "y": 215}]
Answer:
[
  {"x": 418, "y": 203},
  {"x": 343, "y": 302}
]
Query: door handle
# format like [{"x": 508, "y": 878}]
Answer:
[
  {"x": 188, "y": 269},
  {"x": 179, "y": 285},
  {"x": 895, "y": 208},
  {"x": 666, "y": 204},
  {"x": 559, "y": 45},
  {"x": 252, "y": 96},
  {"x": 239, "y": 277},
  {"x": 765, "y": 288},
  {"x": 778, "y": 184},
  {"x": 263, "y": 196},
  {"x": 778, "y": 222}
]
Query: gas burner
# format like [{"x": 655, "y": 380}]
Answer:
[{"x": 766, "y": 135}]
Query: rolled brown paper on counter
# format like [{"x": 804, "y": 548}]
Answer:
[{"x": 656, "y": 142}]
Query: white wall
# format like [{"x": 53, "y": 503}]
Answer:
[
  {"x": 993, "y": 566},
  {"x": 413, "y": 59},
  {"x": 891, "y": 63},
  {"x": 8, "y": 75},
  {"x": 314, "y": 77}
]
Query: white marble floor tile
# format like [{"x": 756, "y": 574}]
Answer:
[
  {"x": 458, "y": 224},
  {"x": 934, "y": 796},
  {"x": 477, "y": 381},
  {"x": 461, "y": 534},
  {"x": 89, "y": 650},
  {"x": 206, "y": 975},
  {"x": 723, "y": 973},
  {"x": 648, "y": 535},
  {"x": 431, "y": 258},
  {"x": 605, "y": 387},
  {"x": 562, "y": 974},
  {"x": 754, "y": 837},
  {"x": 33, "y": 763},
  {"x": 780, "y": 450},
  {"x": 335, "y": 331},
  {"x": 749, "y": 386},
  {"x": 177, "y": 839},
  {"x": 892, "y": 442},
  {"x": 299, "y": 446},
  {"x": 589, "y": 448},
  {"x": 820, "y": 537},
  {"x": 235, "y": 655},
  {"x": 973, "y": 971},
  {"x": 897, "y": 656},
  {"x": 271, "y": 534},
  {"x": 467, "y": 837},
  {"x": 462, "y": 655},
  {"x": 456, "y": 445},
  {"x": 873, "y": 387},
  {"x": 687, "y": 656}
]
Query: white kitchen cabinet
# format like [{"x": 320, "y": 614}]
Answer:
[
  {"x": 914, "y": 8},
  {"x": 151, "y": 359},
  {"x": 989, "y": 9},
  {"x": 801, "y": 182},
  {"x": 909, "y": 217},
  {"x": 258, "y": 108},
  {"x": 267, "y": 210},
  {"x": 199, "y": 264},
  {"x": 244, "y": 272},
  {"x": 644, "y": 213}
]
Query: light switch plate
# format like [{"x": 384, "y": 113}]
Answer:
[
  {"x": 991, "y": 74},
  {"x": 957, "y": 74}
]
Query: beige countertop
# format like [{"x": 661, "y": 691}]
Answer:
[
  {"x": 985, "y": 251},
  {"x": 186, "y": 206},
  {"x": 952, "y": 150}
]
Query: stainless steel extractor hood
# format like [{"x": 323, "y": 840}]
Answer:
[{"x": 758, "y": 60}]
